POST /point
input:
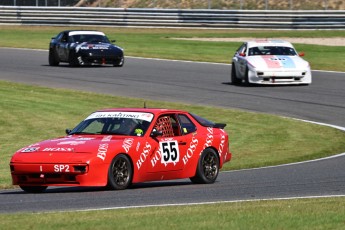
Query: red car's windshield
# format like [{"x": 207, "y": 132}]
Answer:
[{"x": 112, "y": 126}]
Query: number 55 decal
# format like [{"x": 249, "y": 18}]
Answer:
[{"x": 170, "y": 152}]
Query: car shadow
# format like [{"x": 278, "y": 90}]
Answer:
[
  {"x": 76, "y": 189},
  {"x": 159, "y": 184},
  {"x": 260, "y": 86},
  {"x": 77, "y": 67}
]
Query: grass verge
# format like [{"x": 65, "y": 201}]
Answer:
[
  {"x": 30, "y": 114},
  {"x": 157, "y": 43},
  {"x": 326, "y": 213}
]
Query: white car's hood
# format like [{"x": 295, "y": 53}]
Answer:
[{"x": 269, "y": 62}]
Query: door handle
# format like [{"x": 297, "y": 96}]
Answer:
[{"x": 182, "y": 143}]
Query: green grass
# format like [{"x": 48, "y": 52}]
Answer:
[
  {"x": 327, "y": 213},
  {"x": 158, "y": 43},
  {"x": 30, "y": 114}
]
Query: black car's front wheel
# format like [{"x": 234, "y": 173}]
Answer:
[
  {"x": 208, "y": 168},
  {"x": 120, "y": 62},
  {"x": 53, "y": 59},
  {"x": 120, "y": 173},
  {"x": 72, "y": 59}
]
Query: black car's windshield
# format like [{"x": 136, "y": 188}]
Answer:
[
  {"x": 89, "y": 38},
  {"x": 130, "y": 124},
  {"x": 272, "y": 50}
]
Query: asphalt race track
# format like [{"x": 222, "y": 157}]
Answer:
[{"x": 192, "y": 83}]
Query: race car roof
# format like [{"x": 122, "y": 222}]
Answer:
[
  {"x": 268, "y": 42},
  {"x": 143, "y": 110},
  {"x": 78, "y": 32}
]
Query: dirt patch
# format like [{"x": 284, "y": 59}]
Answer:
[{"x": 337, "y": 41}]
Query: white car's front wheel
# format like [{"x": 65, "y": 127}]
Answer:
[
  {"x": 234, "y": 79},
  {"x": 246, "y": 77}
]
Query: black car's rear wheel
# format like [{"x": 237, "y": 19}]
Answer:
[
  {"x": 34, "y": 189},
  {"x": 120, "y": 173},
  {"x": 53, "y": 59},
  {"x": 208, "y": 168}
]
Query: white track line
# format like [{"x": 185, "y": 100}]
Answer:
[
  {"x": 301, "y": 162},
  {"x": 205, "y": 203},
  {"x": 235, "y": 201},
  {"x": 160, "y": 59}
]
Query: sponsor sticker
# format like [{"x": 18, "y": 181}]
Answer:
[
  {"x": 132, "y": 115},
  {"x": 103, "y": 148},
  {"x": 71, "y": 143},
  {"x": 30, "y": 150},
  {"x": 58, "y": 150},
  {"x": 127, "y": 144},
  {"x": 191, "y": 150},
  {"x": 144, "y": 154},
  {"x": 170, "y": 152},
  {"x": 94, "y": 47},
  {"x": 279, "y": 61}
]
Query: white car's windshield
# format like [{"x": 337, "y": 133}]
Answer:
[{"x": 271, "y": 50}]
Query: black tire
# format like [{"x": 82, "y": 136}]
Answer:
[
  {"x": 72, "y": 59},
  {"x": 208, "y": 168},
  {"x": 234, "y": 79},
  {"x": 246, "y": 78},
  {"x": 120, "y": 63},
  {"x": 120, "y": 173},
  {"x": 34, "y": 189},
  {"x": 53, "y": 59}
]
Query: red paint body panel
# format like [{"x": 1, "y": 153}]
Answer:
[{"x": 84, "y": 160}]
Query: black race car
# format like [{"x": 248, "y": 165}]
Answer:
[{"x": 78, "y": 47}]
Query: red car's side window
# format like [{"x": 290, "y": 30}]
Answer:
[
  {"x": 186, "y": 124},
  {"x": 164, "y": 124}
]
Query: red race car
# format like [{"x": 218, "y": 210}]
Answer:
[{"x": 117, "y": 147}]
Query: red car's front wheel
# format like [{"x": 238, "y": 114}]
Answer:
[{"x": 120, "y": 173}]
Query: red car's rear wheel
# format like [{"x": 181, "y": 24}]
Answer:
[{"x": 208, "y": 168}]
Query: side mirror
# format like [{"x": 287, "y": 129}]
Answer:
[
  {"x": 68, "y": 131},
  {"x": 242, "y": 54},
  {"x": 112, "y": 41},
  {"x": 301, "y": 54},
  {"x": 156, "y": 133}
]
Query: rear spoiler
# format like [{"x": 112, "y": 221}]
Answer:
[{"x": 219, "y": 125}]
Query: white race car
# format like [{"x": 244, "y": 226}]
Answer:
[{"x": 269, "y": 62}]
